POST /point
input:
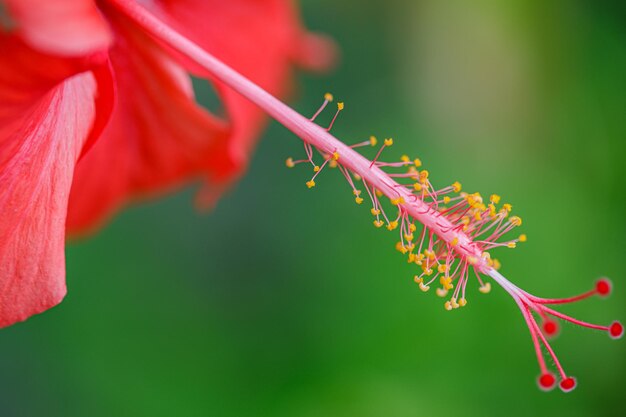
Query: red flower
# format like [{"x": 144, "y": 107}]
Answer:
[{"x": 73, "y": 71}]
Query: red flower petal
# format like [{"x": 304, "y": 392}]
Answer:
[
  {"x": 260, "y": 39},
  {"x": 65, "y": 27},
  {"x": 157, "y": 138},
  {"x": 44, "y": 119}
]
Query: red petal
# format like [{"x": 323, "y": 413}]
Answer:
[
  {"x": 157, "y": 138},
  {"x": 261, "y": 39},
  {"x": 43, "y": 124},
  {"x": 65, "y": 27}
]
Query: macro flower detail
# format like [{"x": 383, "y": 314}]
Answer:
[
  {"x": 452, "y": 247},
  {"x": 457, "y": 229},
  {"x": 111, "y": 115},
  {"x": 94, "y": 112}
]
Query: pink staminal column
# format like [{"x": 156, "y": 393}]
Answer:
[{"x": 458, "y": 228}]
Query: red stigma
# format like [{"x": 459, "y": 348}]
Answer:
[
  {"x": 616, "y": 330},
  {"x": 547, "y": 382},
  {"x": 568, "y": 384},
  {"x": 603, "y": 287},
  {"x": 550, "y": 328}
]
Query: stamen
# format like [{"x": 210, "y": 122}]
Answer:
[
  {"x": 372, "y": 141},
  {"x": 340, "y": 107},
  {"x": 327, "y": 99},
  {"x": 386, "y": 143}
]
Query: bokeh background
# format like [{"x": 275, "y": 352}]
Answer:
[{"x": 286, "y": 301}]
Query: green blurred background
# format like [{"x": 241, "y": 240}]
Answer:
[{"x": 288, "y": 302}]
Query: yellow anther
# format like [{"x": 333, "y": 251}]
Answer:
[
  {"x": 441, "y": 292},
  {"x": 405, "y": 158},
  {"x": 378, "y": 223},
  {"x": 511, "y": 245},
  {"x": 358, "y": 200},
  {"x": 412, "y": 227},
  {"x": 492, "y": 210},
  {"x": 356, "y": 192},
  {"x": 375, "y": 212},
  {"x": 310, "y": 184},
  {"x": 496, "y": 264},
  {"x": 400, "y": 248},
  {"x": 462, "y": 302},
  {"x": 332, "y": 163},
  {"x": 454, "y": 303},
  {"x": 454, "y": 241},
  {"x": 392, "y": 225},
  {"x": 446, "y": 200},
  {"x": 396, "y": 201},
  {"x": 424, "y": 287},
  {"x": 417, "y": 186},
  {"x": 328, "y": 97},
  {"x": 429, "y": 254},
  {"x": 465, "y": 220},
  {"x": 379, "y": 193},
  {"x": 388, "y": 142},
  {"x": 485, "y": 288},
  {"x": 336, "y": 156},
  {"x": 446, "y": 282},
  {"x": 417, "y": 162},
  {"x": 477, "y": 216},
  {"x": 289, "y": 162},
  {"x": 456, "y": 187},
  {"x": 316, "y": 168},
  {"x": 411, "y": 257},
  {"x": 373, "y": 140},
  {"x": 516, "y": 220},
  {"x": 423, "y": 176},
  {"x": 442, "y": 268},
  {"x": 507, "y": 207},
  {"x": 409, "y": 237},
  {"x": 475, "y": 201},
  {"x": 495, "y": 198},
  {"x": 447, "y": 305},
  {"x": 428, "y": 271},
  {"x": 523, "y": 238},
  {"x": 410, "y": 246},
  {"x": 418, "y": 279},
  {"x": 472, "y": 260},
  {"x": 340, "y": 105},
  {"x": 357, "y": 177}
]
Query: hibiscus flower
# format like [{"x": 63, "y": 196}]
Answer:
[
  {"x": 52, "y": 109},
  {"x": 93, "y": 111}
]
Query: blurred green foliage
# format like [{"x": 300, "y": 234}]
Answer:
[{"x": 287, "y": 302}]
